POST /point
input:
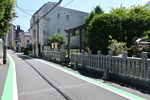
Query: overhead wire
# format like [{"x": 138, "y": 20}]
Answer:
[{"x": 23, "y": 10}]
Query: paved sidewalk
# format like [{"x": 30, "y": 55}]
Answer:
[{"x": 3, "y": 75}]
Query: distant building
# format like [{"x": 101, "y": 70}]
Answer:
[
  {"x": 17, "y": 32},
  {"x": 56, "y": 21},
  {"x": 11, "y": 35},
  {"x": 24, "y": 38}
]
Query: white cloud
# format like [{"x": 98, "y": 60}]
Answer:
[{"x": 143, "y": 2}]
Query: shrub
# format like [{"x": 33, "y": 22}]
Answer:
[
  {"x": 117, "y": 47},
  {"x": 25, "y": 50}
]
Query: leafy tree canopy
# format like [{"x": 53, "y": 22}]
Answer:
[
  {"x": 99, "y": 29},
  {"x": 56, "y": 38},
  {"x": 123, "y": 24},
  {"x": 135, "y": 22},
  {"x": 6, "y": 14},
  {"x": 95, "y": 11}
]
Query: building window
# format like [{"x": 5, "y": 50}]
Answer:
[
  {"x": 33, "y": 19},
  {"x": 58, "y": 30},
  {"x": 58, "y": 15},
  {"x": 34, "y": 33},
  {"x": 67, "y": 17}
]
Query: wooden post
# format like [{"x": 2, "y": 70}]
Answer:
[
  {"x": 80, "y": 36},
  {"x": 68, "y": 44}
]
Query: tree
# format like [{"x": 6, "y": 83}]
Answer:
[
  {"x": 99, "y": 29},
  {"x": 97, "y": 10},
  {"x": 6, "y": 14},
  {"x": 134, "y": 21},
  {"x": 56, "y": 38}
]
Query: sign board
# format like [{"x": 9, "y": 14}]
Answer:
[
  {"x": 46, "y": 47},
  {"x": 52, "y": 45}
]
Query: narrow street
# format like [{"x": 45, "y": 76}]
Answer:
[{"x": 41, "y": 80}]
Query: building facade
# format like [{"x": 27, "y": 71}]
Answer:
[
  {"x": 11, "y": 35},
  {"x": 55, "y": 21},
  {"x": 24, "y": 39}
]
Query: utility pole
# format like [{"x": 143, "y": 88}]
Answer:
[
  {"x": 38, "y": 19},
  {"x": 4, "y": 50},
  {"x": 38, "y": 36}
]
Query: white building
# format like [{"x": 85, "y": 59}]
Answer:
[
  {"x": 24, "y": 38},
  {"x": 56, "y": 21}
]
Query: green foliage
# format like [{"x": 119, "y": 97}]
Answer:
[
  {"x": 25, "y": 50},
  {"x": 99, "y": 29},
  {"x": 134, "y": 21},
  {"x": 123, "y": 24},
  {"x": 6, "y": 14},
  {"x": 117, "y": 47},
  {"x": 56, "y": 38},
  {"x": 97, "y": 10}
]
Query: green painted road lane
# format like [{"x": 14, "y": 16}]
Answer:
[
  {"x": 9, "y": 92},
  {"x": 8, "y": 88},
  {"x": 97, "y": 83}
]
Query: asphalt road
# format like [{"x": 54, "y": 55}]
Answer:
[{"x": 41, "y": 80}]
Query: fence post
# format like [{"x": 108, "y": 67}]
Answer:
[
  {"x": 62, "y": 54},
  {"x": 124, "y": 57},
  {"x": 82, "y": 59},
  {"x": 109, "y": 59},
  {"x": 99, "y": 54},
  {"x": 90, "y": 51},
  {"x": 76, "y": 61},
  {"x": 143, "y": 67},
  {"x": 89, "y": 59}
]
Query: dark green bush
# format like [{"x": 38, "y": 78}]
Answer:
[{"x": 25, "y": 50}]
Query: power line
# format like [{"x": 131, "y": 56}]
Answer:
[
  {"x": 51, "y": 9},
  {"x": 26, "y": 9},
  {"x": 23, "y": 10},
  {"x": 20, "y": 25}
]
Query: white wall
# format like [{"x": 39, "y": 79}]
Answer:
[{"x": 50, "y": 24}]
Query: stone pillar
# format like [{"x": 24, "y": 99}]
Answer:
[
  {"x": 90, "y": 51},
  {"x": 82, "y": 51},
  {"x": 99, "y": 60},
  {"x": 82, "y": 58},
  {"x": 143, "y": 67},
  {"x": 99, "y": 52},
  {"x": 124, "y": 57},
  {"x": 76, "y": 61},
  {"x": 110, "y": 65}
]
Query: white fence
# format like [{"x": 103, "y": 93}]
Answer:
[
  {"x": 58, "y": 56},
  {"x": 138, "y": 68}
]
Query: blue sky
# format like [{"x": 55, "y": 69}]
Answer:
[{"x": 83, "y": 5}]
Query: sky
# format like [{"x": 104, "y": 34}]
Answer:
[{"x": 82, "y": 5}]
